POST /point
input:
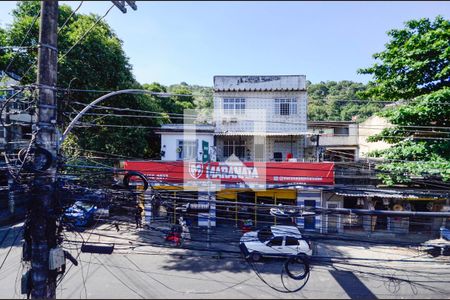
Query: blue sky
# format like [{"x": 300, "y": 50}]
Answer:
[{"x": 170, "y": 42}]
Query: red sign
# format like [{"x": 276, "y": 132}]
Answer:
[{"x": 235, "y": 172}]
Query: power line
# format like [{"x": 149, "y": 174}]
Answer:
[
  {"x": 168, "y": 94},
  {"x": 88, "y": 124},
  {"x": 85, "y": 34},
  {"x": 190, "y": 116},
  {"x": 21, "y": 44},
  {"x": 69, "y": 17}
]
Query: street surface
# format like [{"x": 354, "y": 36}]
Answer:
[{"x": 142, "y": 266}]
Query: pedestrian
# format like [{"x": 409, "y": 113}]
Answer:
[
  {"x": 116, "y": 224},
  {"x": 138, "y": 217}
]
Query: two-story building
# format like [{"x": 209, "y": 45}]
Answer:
[
  {"x": 256, "y": 158},
  {"x": 260, "y": 118}
]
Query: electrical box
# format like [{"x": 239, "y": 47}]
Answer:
[{"x": 56, "y": 258}]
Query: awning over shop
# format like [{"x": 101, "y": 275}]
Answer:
[
  {"x": 256, "y": 133},
  {"x": 417, "y": 195}
]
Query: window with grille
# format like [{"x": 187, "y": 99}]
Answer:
[
  {"x": 234, "y": 106},
  {"x": 286, "y": 107},
  {"x": 235, "y": 147},
  {"x": 186, "y": 149}
]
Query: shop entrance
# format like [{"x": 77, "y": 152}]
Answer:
[
  {"x": 380, "y": 222},
  {"x": 421, "y": 224},
  {"x": 246, "y": 212},
  {"x": 310, "y": 222},
  {"x": 179, "y": 199},
  {"x": 263, "y": 216},
  {"x": 333, "y": 220},
  {"x": 353, "y": 222}
]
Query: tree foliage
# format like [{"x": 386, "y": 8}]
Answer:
[
  {"x": 416, "y": 61},
  {"x": 97, "y": 62},
  {"x": 415, "y": 66},
  {"x": 324, "y": 101}
]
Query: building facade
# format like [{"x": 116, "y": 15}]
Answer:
[
  {"x": 259, "y": 150},
  {"x": 260, "y": 118},
  {"x": 256, "y": 142}
]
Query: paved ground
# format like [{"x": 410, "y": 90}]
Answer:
[{"x": 140, "y": 267}]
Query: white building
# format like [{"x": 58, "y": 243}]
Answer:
[
  {"x": 185, "y": 141},
  {"x": 20, "y": 120},
  {"x": 260, "y": 118}
]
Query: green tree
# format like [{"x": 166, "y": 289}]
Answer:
[
  {"x": 97, "y": 62},
  {"x": 416, "y": 61},
  {"x": 421, "y": 143},
  {"x": 324, "y": 101},
  {"x": 414, "y": 66}
]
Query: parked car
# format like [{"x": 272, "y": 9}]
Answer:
[
  {"x": 80, "y": 213},
  {"x": 276, "y": 240}
]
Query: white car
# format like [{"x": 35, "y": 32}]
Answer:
[{"x": 276, "y": 240}]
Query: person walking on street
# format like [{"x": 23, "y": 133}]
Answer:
[{"x": 138, "y": 217}]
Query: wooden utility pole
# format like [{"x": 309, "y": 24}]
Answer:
[
  {"x": 43, "y": 212},
  {"x": 41, "y": 228},
  {"x": 8, "y": 151}
]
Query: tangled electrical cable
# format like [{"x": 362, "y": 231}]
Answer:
[{"x": 288, "y": 268}]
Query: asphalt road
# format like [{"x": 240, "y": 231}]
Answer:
[{"x": 141, "y": 266}]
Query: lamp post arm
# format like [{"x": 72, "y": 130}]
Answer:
[{"x": 98, "y": 100}]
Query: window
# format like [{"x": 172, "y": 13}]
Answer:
[
  {"x": 340, "y": 131},
  {"x": 291, "y": 241},
  {"x": 186, "y": 149},
  {"x": 286, "y": 107},
  {"x": 235, "y": 147},
  {"x": 278, "y": 156},
  {"x": 234, "y": 106},
  {"x": 276, "y": 241}
]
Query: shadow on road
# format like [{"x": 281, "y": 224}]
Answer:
[{"x": 352, "y": 285}]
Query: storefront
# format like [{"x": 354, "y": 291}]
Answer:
[
  {"x": 386, "y": 200},
  {"x": 252, "y": 186}
]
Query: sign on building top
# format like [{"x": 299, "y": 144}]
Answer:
[{"x": 260, "y": 83}]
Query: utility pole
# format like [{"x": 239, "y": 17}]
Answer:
[
  {"x": 41, "y": 228},
  {"x": 8, "y": 151},
  {"x": 43, "y": 212}
]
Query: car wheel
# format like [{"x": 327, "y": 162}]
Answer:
[{"x": 255, "y": 256}]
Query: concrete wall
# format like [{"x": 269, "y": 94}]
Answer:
[
  {"x": 260, "y": 113},
  {"x": 371, "y": 126}
]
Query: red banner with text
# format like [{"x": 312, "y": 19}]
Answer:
[{"x": 236, "y": 172}]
